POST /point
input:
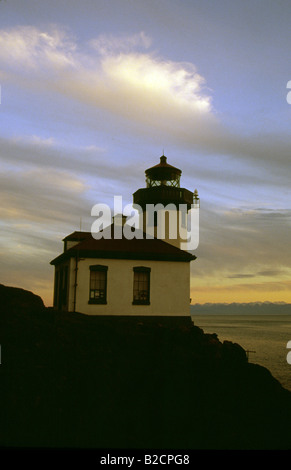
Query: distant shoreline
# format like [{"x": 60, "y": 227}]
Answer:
[{"x": 267, "y": 308}]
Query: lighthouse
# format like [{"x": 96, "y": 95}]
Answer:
[
  {"x": 163, "y": 205},
  {"x": 137, "y": 275}
]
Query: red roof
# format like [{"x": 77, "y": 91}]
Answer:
[
  {"x": 77, "y": 236},
  {"x": 113, "y": 248}
]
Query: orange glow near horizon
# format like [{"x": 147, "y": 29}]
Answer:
[
  {"x": 214, "y": 294},
  {"x": 267, "y": 292}
]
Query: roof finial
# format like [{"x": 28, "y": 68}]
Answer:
[{"x": 163, "y": 159}]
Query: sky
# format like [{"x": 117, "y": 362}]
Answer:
[{"x": 93, "y": 92}]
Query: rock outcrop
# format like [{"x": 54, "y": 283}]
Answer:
[
  {"x": 71, "y": 380},
  {"x": 15, "y": 299}
]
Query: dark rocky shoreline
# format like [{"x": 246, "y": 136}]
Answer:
[{"x": 72, "y": 381}]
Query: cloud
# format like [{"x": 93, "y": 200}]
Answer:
[
  {"x": 236, "y": 244},
  {"x": 240, "y": 276},
  {"x": 32, "y": 48},
  {"x": 156, "y": 97},
  {"x": 41, "y": 196},
  {"x": 266, "y": 273},
  {"x": 155, "y": 94},
  {"x": 39, "y": 206},
  {"x": 152, "y": 97},
  {"x": 41, "y": 152},
  {"x": 117, "y": 78},
  {"x": 177, "y": 83},
  {"x": 106, "y": 44},
  {"x": 272, "y": 272}
]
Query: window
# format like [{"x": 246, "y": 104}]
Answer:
[
  {"x": 141, "y": 285},
  {"x": 98, "y": 284}
]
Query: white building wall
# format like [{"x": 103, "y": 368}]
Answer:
[{"x": 169, "y": 288}]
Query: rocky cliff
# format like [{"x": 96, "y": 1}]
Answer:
[{"x": 75, "y": 381}]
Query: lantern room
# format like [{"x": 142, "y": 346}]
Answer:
[{"x": 163, "y": 174}]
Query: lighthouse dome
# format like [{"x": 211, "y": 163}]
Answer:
[{"x": 163, "y": 174}]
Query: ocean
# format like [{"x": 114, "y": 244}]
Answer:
[{"x": 265, "y": 336}]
